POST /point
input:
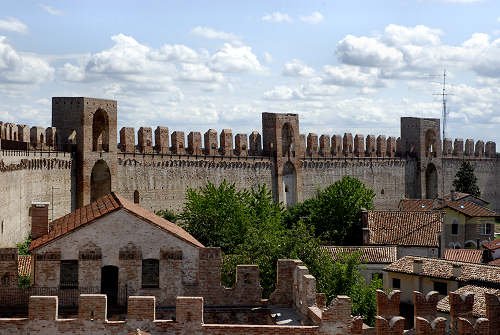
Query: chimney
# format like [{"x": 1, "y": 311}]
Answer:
[
  {"x": 39, "y": 212},
  {"x": 457, "y": 270},
  {"x": 452, "y": 195},
  {"x": 417, "y": 266}
]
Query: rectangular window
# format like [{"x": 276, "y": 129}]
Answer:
[
  {"x": 441, "y": 288},
  {"x": 485, "y": 229},
  {"x": 454, "y": 229},
  {"x": 69, "y": 274},
  {"x": 396, "y": 283},
  {"x": 150, "y": 273}
]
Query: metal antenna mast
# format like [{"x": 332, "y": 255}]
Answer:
[{"x": 443, "y": 95}]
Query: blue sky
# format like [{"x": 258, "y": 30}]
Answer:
[{"x": 344, "y": 66}]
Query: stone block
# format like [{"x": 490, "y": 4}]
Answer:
[
  {"x": 194, "y": 143},
  {"x": 226, "y": 142},
  {"x": 347, "y": 147},
  {"x": 388, "y": 304},
  {"x": 43, "y": 308},
  {"x": 324, "y": 145},
  {"x": 381, "y": 146},
  {"x": 23, "y": 133},
  {"x": 241, "y": 144},
  {"x": 479, "y": 149},
  {"x": 391, "y": 146},
  {"x": 189, "y": 311},
  {"x": 211, "y": 142},
  {"x": 447, "y": 147},
  {"x": 425, "y": 306},
  {"x": 370, "y": 146},
  {"x": 312, "y": 145},
  {"x": 469, "y": 147},
  {"x": 145, "y": 139},
  {"x": 337, "y": 145},
  {"x": 162, "y": 143},
  {"x": 141, "y": 308},
  {"x": 178, "y": 143},
  {"x": 435, "y": 327},
  {"x": 359, "y": 145},
  {"x": 458, "y": 147},
  {"x": 255, "y": 143},
  {"x": 491, "y": 149},
  {"x": 37, "y": 137},
  {"x": 92, "y": 307},
  {"x": 127, "y": 139},
  {"x": 394, "y": 326}
]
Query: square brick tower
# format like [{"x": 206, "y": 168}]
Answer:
[
  {"x": 421, "y": 139},
  {"x": 282, "y": 141},
  {"x": 91, "y": 125}
]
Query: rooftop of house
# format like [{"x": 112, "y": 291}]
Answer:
[
  {"x": 467, "y": 208},
  {"x": 492, "y": 245},
  {"x": 368, "y": 254},
  {"x": 464, "y": 255},
  {"x": 495, "y": 262},
  {"x": 104, "y": 206},
  {"x": 479, "y": 307},
  {"x": 444, "y": 269},
  {"x": 404, "y": 228}
]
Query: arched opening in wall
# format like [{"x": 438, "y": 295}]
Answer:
[
  {"x": 100, "y": 131},
  {"x": 137, "y": 198},
  {"x": 431, "y": 182},
  {"x": 430, "y": 143},
  {"x": 72, "y": 137},
  {"x": 100, "y": 180},
  {"x": 289, "y": 184},
  {"x": 109, "y": 283},
  {"x": 287, "y": 140}
]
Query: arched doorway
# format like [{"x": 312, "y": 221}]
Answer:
[
  {"x": 431, "y": 182},
  {"x": 100, "y": 131},
  {"x": 430, "y": 143},
  {"x": 287, "y": 139},
  {"x": 100, "y": 181},
  {"x": 289, "y": 184},
  {"x": 109, "y": 283}
]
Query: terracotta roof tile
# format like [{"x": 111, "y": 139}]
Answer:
[
  {"x": 464, "y": 255},
  {"x": 104, "y": 206},
  {"x": 479, "y": 307},
  {"x": 492, "y": 245},
  {"x": 442, "y": 268},
  {"x": 406, "y": 228},
  {"x": 24, "y": 265},
  {"x": 461, "y": 195},
  {"x": 369, "y": 254},
  {"x": 469, "y": 208},
  {"x": 495, "y": 262},
  {"x": 416, "y": 204}
]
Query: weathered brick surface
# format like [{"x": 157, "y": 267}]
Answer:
[
  {"x": 394, "y": 326},
  {"x": 92, "y": 307},
  {"x": 141, "y": 308},
  {"x": 425, "y": 306},
  {"x": 388, "y": 304},
  {"x": 435, "y": 327},
  {"x": 43, "y": 308}
]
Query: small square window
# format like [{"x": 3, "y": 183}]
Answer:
[
  {"x": 485, "y": 229},
  {"x": 441, "y": 288},
  {"x": 396, "y": 283}
]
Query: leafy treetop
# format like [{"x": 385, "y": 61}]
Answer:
[{"x": 466, "y": 181}]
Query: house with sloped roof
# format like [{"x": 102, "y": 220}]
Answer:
[
  {"x": 115, "y": 247},
  {"x": 413, "y": 232},
  {"x": 373, "y": 259},
  {"x": 467, "y": 255}
]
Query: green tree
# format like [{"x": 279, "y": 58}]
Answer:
[
  {"x": 167, "y": 214},
  {"x": 23, "y": 247},
  {"x": 335, "y": 212},
  {"x": 466, "y": 181}
]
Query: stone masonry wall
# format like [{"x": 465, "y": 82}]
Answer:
[
  {"x": 29, "y": 176},
  {"x": 162, "y": 181}
]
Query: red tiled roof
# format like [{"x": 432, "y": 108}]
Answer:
[
  {"x": 416, "y": 204},
  {"x": 464, "y": 255},
  {"x": 369, "y": 254},
  {"x": 442, "y": 268},
  {"x": 24, "y": 265},
  {"x": 406, "y": 228},
  {"x": 496, "y": 262},
  {"x": 461, "y": 195},
  {"x": 102, "y": 207},
  {"x": 492, "y": 245},
  {"x": 479, "y": 307},
  {"x": 469, "y": 208}
]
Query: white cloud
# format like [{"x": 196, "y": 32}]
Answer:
[
  {"x": 51, "y": 10},
  {"x": 236, "y": 59},
  {"x": 277, "y": 17},
  {"x": 346, "y": 75},
  {"x": 267, "y": 58},
  {"x": 176, "y": 53},
  {"x": 366, "y": 51},
  {"x": 14, "y": 25},
  {"x": 70, "y": 72},
  {"x": 211, "y": 33},
  {"x": 199, "y": 72},
  {"x": 16, "y": 68},
  {"x": 314, "y": 18},
  {"x": 418, "y": 35},
  {"x": 297, "y": 68}
]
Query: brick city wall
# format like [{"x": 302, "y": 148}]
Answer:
[{"x": 335, "y": 319}]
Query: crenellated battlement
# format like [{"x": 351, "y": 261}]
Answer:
[{"x": 23, "y": 137}]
